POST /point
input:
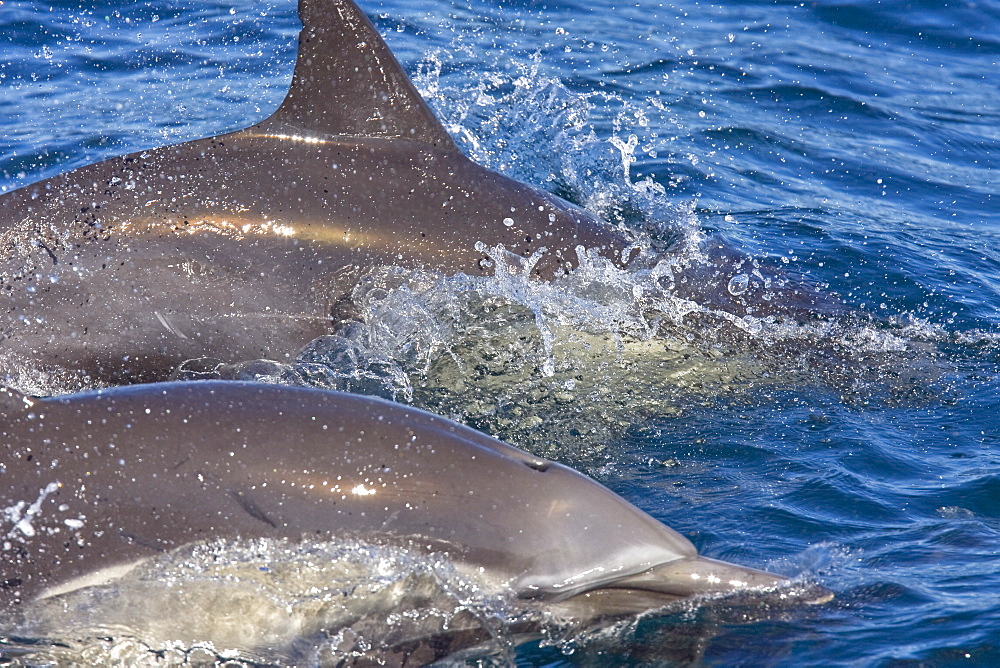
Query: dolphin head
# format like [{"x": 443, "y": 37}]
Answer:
[{"x": 599, "y": 556}]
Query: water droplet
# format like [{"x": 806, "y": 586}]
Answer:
[
  {"x": 509, "y": 222},
  {"x": 738, "y": 284}
]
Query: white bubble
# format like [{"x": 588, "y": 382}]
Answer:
[{"x": 738, "y": 284}]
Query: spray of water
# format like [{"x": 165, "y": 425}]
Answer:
[{"x": 270, "y": 602}]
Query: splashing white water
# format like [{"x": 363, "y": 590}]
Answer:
[{"x": 270, "y": 601}]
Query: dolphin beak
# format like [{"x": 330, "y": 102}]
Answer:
[
  {"x": 701, "y": 576},
  {"x": 687, "y": 577}
]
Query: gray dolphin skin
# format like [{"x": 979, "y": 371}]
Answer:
[
  {"x": 108, "y": 477},
  {"x": 239, "y": 246}
]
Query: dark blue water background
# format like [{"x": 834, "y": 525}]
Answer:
[{"x": 854, "y": 143}]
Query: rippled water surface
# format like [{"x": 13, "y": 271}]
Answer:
[{"x": 854, "y": 146}]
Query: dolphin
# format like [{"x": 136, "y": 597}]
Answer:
[
  {"x": 247, "y": 245},
  {"x": 243, "y": 245},
  {"x": 94, "y": 483}
]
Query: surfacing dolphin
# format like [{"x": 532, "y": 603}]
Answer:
[
  {"x": 95, "y": 482},
  {"x": 243, "y": 246},
  {"x": 239, "y": 246}
]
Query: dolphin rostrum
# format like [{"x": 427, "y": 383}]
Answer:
[
  {"x": 239, "y": 246},
  {"x": 103, "y": 479}
]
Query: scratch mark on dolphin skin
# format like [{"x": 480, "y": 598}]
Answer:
[
  {"x": 181, "y": 463},
  {"x": 389, "y": 520},
  {"x": 138, "y": 540},
  {"x": 251, "y": 508},
  {"x": 48, "y": 250},
  {"x": 169, "y": 326}
]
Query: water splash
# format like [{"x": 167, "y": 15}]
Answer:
[
  {"x": 518, "y": 120},
  {"x": 595, "y": 351},
  {"x": 269, "y": 601}
]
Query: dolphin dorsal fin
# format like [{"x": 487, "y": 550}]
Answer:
[
  {"x": 13, "y": 403},
  {"x": 347, "y": 82}
]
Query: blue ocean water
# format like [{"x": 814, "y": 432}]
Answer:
[{"x": 854, "y": 144}]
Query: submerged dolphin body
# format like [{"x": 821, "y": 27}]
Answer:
[
  {"x": 106, "y": 478},
  {"x": 239, "y": 246}
]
